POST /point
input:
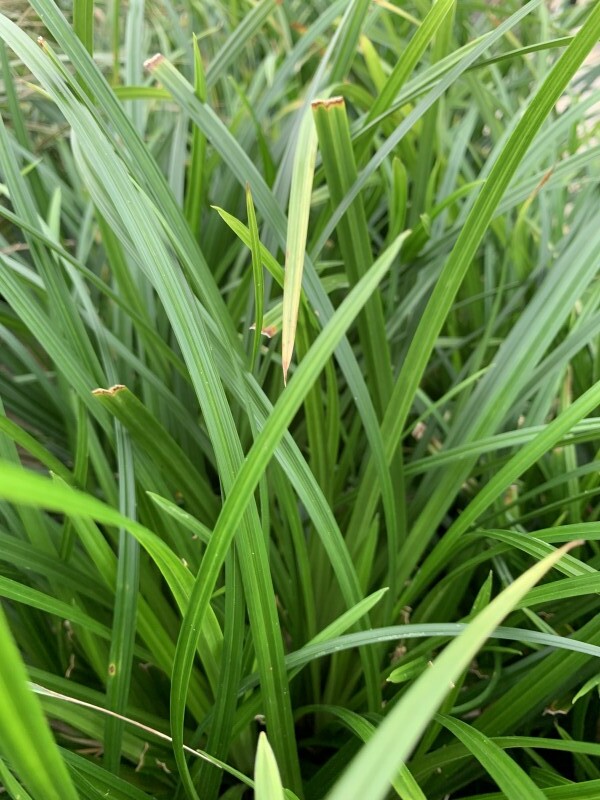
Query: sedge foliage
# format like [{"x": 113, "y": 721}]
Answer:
[{"x": 214, "y": 584}]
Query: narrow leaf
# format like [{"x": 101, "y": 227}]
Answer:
[
  {"x": 371, "y": 772},
  {"x": 299, "y": 209},
  {"x": 257, "y": 272}
]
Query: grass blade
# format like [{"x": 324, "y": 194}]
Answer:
[
  {"x": 250, "y": 473},
  {"x": 511, "y": 779},
  {"x": 25, "y": 738},
  {"x": 195, "y": 177},
  {"x": 300, "y": 195},
  {"x": 372, "y": 771},
  {"x": 257, "y": 272},
  {"x": 83, "y": 23},
  {"x": 267, "y": 781}
]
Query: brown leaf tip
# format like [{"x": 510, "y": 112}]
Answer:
[
  {"x": 109, "y": 392},
  {"x": 153, "y": 62},
  {"x": 329, "y": 103},
  {"x": 269, "y": 330}
]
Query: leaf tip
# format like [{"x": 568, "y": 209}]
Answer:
[
  {"x": 285, "y": 364},
  {"x": 153, "y": 62},
  {"x": 267, "y": 330},
  {"x": 110, "y": 392},
  {"x": 571, "y": 545},
  {"x": 327, "y": 103}
]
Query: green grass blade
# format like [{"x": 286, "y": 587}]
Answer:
[
  {"x": 257, "y": 272},
  {"x": 372, "y": 770},
  {"x": 511, "y": 779},
  {"x": 404, "y": 783},
  {"x": 481, "y": 213},
  {"x": 238, "y": 39},
  {"x": 246, "y": 172},
  {"x": 25, "y": 738},
  {"x": 411, "y": 57},
  {"x": 267, "y": 781},
  {"x": 250, "y": 473},
  {"x": 11, "y": 785},
  {"x": 195, "y": 176},
  {"x": 466, "y": 60},
  {"x": 146, "y": 430},
  {"x": 333, "y": 133},
  {"x": 456, "y": 266},
  {"x": 23, "y": 486},
  {"x": 125, "y": 608},
  {"x": 83, "y": 23},
  {"x": 290, "y": 578},
  {"x": 350, "y": 27},
  {"x": 527, "y": 456}
]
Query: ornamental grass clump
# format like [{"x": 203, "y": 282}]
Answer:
[{"x": 299, "y": 380}]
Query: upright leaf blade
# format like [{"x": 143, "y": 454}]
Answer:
[
  {"x": 298, "y": 213},
  {"x": 267, "y": 781},
  {"x": 257, "y": 272}
]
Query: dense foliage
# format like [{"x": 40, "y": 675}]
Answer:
[{"x": 393, "y": 207}]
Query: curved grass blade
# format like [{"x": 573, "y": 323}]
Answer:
[
  {"x": 139, "y": 158},
  {"x": 404, "y": 783},
  {"x": 510, "y": 777},
  {"x": 122, "y": 201},
  {"x": 19, "y": 485},
  {"x": 45, "y": 691},
  {"x": 515, "y": 467},
  {"x": 322, "y": 646},
  {"x": 25, "y": 738},
  {"x": 371, "y": 772}
]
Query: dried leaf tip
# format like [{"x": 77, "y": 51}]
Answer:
[
  {"x": 109, "y": 392},
  {"x": 328, "y": 103},
  {"x": 153, "y": 62},
  {"x": 269, "y": 330},
  {"x": 572, "y": 545}
]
